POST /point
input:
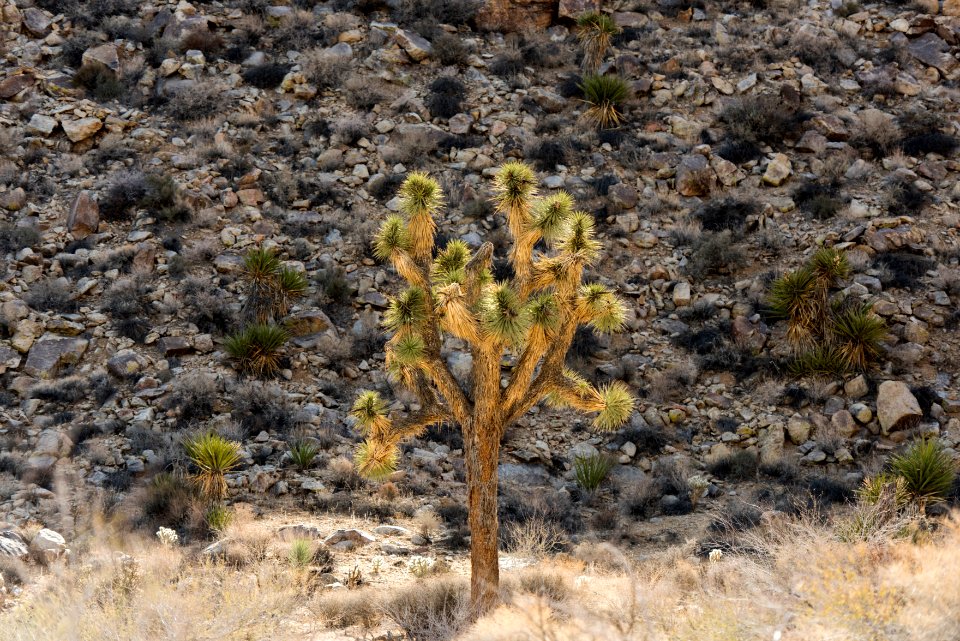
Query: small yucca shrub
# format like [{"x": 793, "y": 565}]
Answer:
[
  {"x": 605, "y": 96},
  {"x": 256, "y": 349},
  {"x": 595, "y": 31},
  {"x": 823, "y": 361},
  {"x": 859, "y": 334},
  {"x": 301, "y": 554},
  {"x": 927, "y": 470},
  {"x": 884, "y": 487},
  {"x": 272, "y": 288},
  {"x": 303, "y": 454},
  {"x": 213, "y": 456},
  {"x": 793, "y": 297},
  {"x": 218, "y": 518},
  {"x": 592, "y": 470}
]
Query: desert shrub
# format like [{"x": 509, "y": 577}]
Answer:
[
  {"x": 257, "y": 349},
  {"x": 714, "y": 254},
  {"x": 324, "y": 69},
  {"x": 193, "y": 398},
  {"x": 902, "y": 269},
  {"x": 431, "y": 610},
  {"x": 649, "y": 441},
  {"x": 14, "y": 237},
  {"x": 819, "y": 200},
  {"x": 446, "y": 97},
  {"x": 859, "y": 334},
  {"x": 592, "y": 470},
  {"x": 738, "y": 151},
  {"x": 344, "y": 475},
  {"x": 51, "y": 295},
  {"x": 205, "y": 306},
  {"x": 348, "y": 608},
  {"x": 449, "y": 49},
  {"x": 213, "y": 456},
  {"x": 64, "y": 391},
  {"x": 828, "y": 491},
  {"x": 127, "y": 303},
  {"x": 739, "y": 466},
  {"x": 199, "y": 101},
  {"x": 202, "y": 40},
  {"x": 170, "y": 500},
  {"x": 927, "y": 469},
  {"x": 922, "y": 134},
  {"x": 363, "y": 93},
  {"x": 71, "y": 51},
  {"x": 102, "y": 83},
  {"x": 350, "y": 130},
  {"x": 258, "y": 407},
  {"x": 903, "y": 197},
  {"x": 547, "y": 154},
  {"x": 759, "y": 118},
  {"x": 266, "y": 76},
  {"x": 542, "y": 583},
  {"x": 723, "y": 214}
]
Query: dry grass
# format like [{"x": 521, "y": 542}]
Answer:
[{"x": 800, "y": 583}]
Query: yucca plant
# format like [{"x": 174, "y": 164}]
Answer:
[
  {"x": 927, "y": 470},
  {"x": 884, "y": 487},
  {"x": 213, "y": 456},
  {"x": 301, "y": 554},
  {"x": 218, "y": 518},
  {"x": 303, "y": 453},
  {"x": 859, "y": 334},
  {"x": 256, "y": 349},
  {"x": 532, "y": 316},
  {"x": 822, "y": 361},
  {"x": 592, "y": 470},
  {"x": 794, "y": 298},
  {"x": 605, "y": 96},
  {"x": 272, "y": 288},
  {"x": 595, "y": 30}
]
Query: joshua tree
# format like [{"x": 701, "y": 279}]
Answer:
[
  {"x": 596, "y": 30},
  {"x": 531, "y": 318}
]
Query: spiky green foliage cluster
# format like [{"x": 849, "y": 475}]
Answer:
[
  {"x": 213, "y": 456},
  {"x": 301, "y": 553},
  {"x": 592, "y": 470},
  {"x": 927, "y": 470},
  {"x": 595, "y": 30},
  {"x": 272, "y": 287},
  {"x": 830, "y": 338},
  {"x": 218, "y": 518},
  {"x": 257, "y": 348},
  {"x": 605, "y": 96},
  {"x": 451, "y": 292},
  {"x": 303, "y": 453}
]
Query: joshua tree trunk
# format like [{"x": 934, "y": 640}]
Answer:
[{"x": 482, "y": 457}]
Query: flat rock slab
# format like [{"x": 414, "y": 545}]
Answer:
[
  {"x": 12, "y": 545},
  {"x": 897, "y": 407},
  {"x": 51, "y": 352},
  {"x": 299, "y": 531}
]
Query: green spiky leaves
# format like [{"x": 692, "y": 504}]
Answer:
[
  {"x": 376, "y": 460},
  {"x": 544, "y": 312},
  {"x": 393, "y": 237},
  {"x": 829, "y": 266},
  {"x": 617, "y": 407},
  {"x": 213, "y": 457},
  {"x": 408, "y": 350},
  {"x": 257, "y": 348},
  {"x": 595, "y": 31},
  {"x": 260, "y": 265},
  {"x": 420, "y": 194},
  {"x": 407, "y": 311},
  {"x": 605, "y": 96},
  {"x": 515, "y": 183},
  {"x": 550, "y": 215},
  {"x": 272, "y": 287},
  {"x": 450, "y": 264},
  {"x": 601, "y": 308},
  {"x": 580, "y": 241},
  {"x": 859, "y": 334},
  {"x": 503, "y": 316},
  {"x": 370, "y": 412}
]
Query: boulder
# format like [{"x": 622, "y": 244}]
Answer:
[
  {"x": 681, "y": 294},
  {"x": 799, "y": 430},
  {"x": 623, "y": 195},
  {"x": 694, "y": 176},
  {"x": 778, "y": 170},
  {"x": 515, "y": 15},
  {"x": 82, "y": 128},
  {"x": 933, "y": 51},
  {"x": 357, "y": 537},
  {"x": 84, "y": 216},
  {"x": 48, "y": 543},
  {"x": 416, "y": 46},
  {"x": 13, "y": 85},
  {"x": 11, "y": 544},
  {"x": 103, "y": 55},
  {"x": 42, "y": 125},
  {"x": 48, "y": 354},
  {"x": 770, "y": 443},
  {"x": 897, "y": 407},
  {"x": 37, "y": 22}
]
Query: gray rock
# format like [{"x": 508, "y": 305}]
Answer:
[
  {"x": 694, "y": 176},
  {"x": 104, "y": 55},
  {"x": 41, "y": 124},
  {"x": 799, "y": 430},
  {"x": 48, "y": 544},
  {"x": 11, "y": 544},
  {"x": 51, "y": 352},
  {"x": 37, "y": 22},
  {"x": 770, "y": 443},
  {"x": 897, "y": 407},
  {"x": 391, "y": 530},
  {"x": 857, "y": 387},
  {"x": 845, "y": 425},
  {"x": 81, "y": 129},
  {"x": 299, "y": 531},
  {"x": 623, "y": 196},
  {"x": 933, "y": 51},
  {"x": 416, "y": 46}
]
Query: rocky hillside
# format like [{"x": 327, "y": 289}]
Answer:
[{"x": 148, "y": 147}]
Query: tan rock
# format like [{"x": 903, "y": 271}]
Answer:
[
  {"x": 778, "y": 170},
  {"x": 515, "y": 15},
  {"x": 84, "y": 216},
  {"x": 81, "y": 129}
]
